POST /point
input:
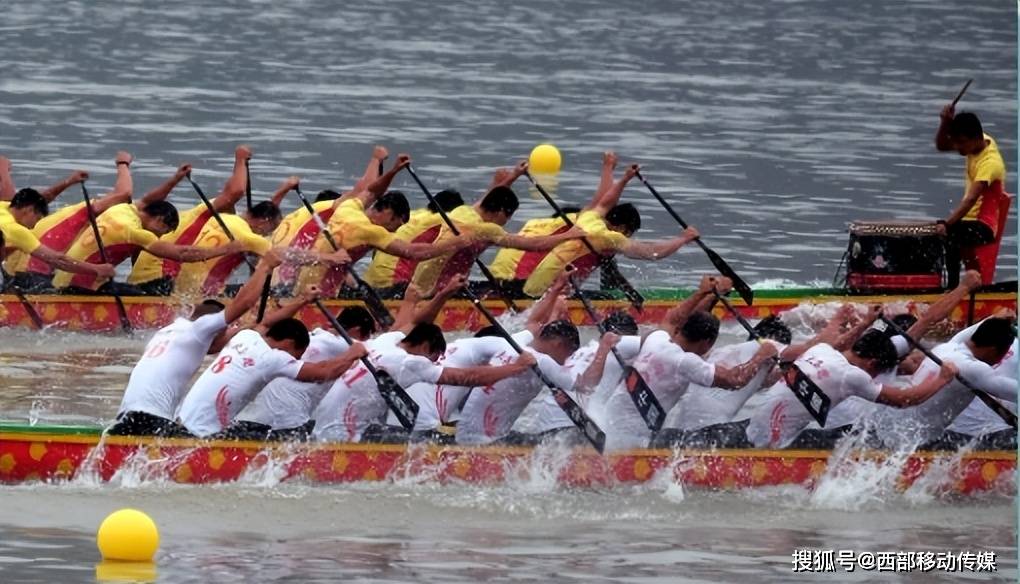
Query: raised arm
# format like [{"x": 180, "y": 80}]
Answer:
[
  {"x": 542, "y": 309},
  {"x": 285, "y": 187},
  {"x": 7, "y": 188},
  {"x": 657, "y": 250},
  {"x": 505, "y": 177},
  {"x": 847, "y": 339},
  {"x": 427, "y": 311},
  {"x": 942, "y": 307},
  {"x": 943, "y": 136},
  {"x": 593, "y": 374},
  {"x": 611, "y": 197},
  {"x": 162, "y": 191},
  {"x": 373, "y": 170},
  {"x": 249, "y": 293},
  {"x": 379, "y": 186},
  {"x": 486, "y": 374},
  {"x": 54, "y": 190},
  {"x": 830, "y": 334},
  {"x": 677, "y": 315},
  {"x": 734, "y": 378},
  {"x": 287, "y": 310}
]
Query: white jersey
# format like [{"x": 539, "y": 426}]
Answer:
[
  {"x": 490, "y": 411},
  {"x": 241, "y": 369},
  {"x": 978, "y": 419},
  {"x": 782, "y": 417},
  {"x": 927, "y": 421},
  {"x": 855, "y": 409},
  {"x": 354, "y": 402},
  {"x": 160, "y": 379},
  {"x": 439, "y": 403},
  {"x": 289, "y": 403},
  {"x": 548, "y": 415},
  {"x": 704, "y": 405},
  {"x": 668, "y": 370}
]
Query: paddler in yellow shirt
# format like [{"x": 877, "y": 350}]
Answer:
[{"x": 49, "y": 194}]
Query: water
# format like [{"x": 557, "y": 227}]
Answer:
[{"x": 770, "y": 125}]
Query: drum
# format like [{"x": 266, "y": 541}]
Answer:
[{"x": 895, "y": 255}]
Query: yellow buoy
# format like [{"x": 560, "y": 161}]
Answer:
[
  {"x": 545, "y": 158},
  {"x": 128, "y": 535}
]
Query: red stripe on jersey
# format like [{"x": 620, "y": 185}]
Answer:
[
  {"x": 59, "y": 238},
  {"x": 188, "y": 237},
  {"x": 405, "y": 266},
  {"x": 530, "y": 259},
  {"x": 115, "y": 253}
]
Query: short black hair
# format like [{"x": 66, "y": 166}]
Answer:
[
  {"x": 771, "y": 327},
  {"x": 29, "y": 197},
  {"x": 567, "y": 210},
  {"x": 902, "y": 321},
  {"x": 427, "y": 333},
  {"x": 292, "y": 329},
  {"x": 488, "y": 331},
  {"x": 447, "y": 199},
  {"x": 620, "y": 322},
  {"x": 327, "y": 195},
  {"x": 625, "y": 215},
  {"x": 700, "y": 326},
  {"x": 994, "y": 332},
  {"x": 165, "y": 211},
  {"x": 396, "y": 202},
  {"x": 966, "y": 125},
  {"x": 564, "y": 331},
  {"x": 209, "y": 306},
  {"x": 500, "y": 199},
  {"x": 874, "y": 344},
  {"x": 265, "y": 210},
  {"x": 357, "y": 316}
]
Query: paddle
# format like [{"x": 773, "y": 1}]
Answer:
[
  {"x": 125, "y": 323},
  {"x": 992, "y": 403},
  {"x": 962, "y": 91},
  {"x": 720, "y": 264},
  {"x": 644, "y": 399},
  {"x": 588, "y": 427},
  {"x": 29, "y": 309},
  {"x": 814, "y": 400},
  {"x": 247, "y": 185},
  {"x": 371, "y": 299},
  {"x": 403, "y": 407},
  {"x": 264, "y": 298},
  {"x": 481, "y": 266},
  {"x": 628, "y": 290}
]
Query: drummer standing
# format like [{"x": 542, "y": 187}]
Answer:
[{"x": 976, "y": 218}]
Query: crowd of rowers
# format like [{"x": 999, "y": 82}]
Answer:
[{"x": 276, "y": 380}]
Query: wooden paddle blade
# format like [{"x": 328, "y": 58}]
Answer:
[
  {"x": 403, "y": 407},
  {"x": 588, "y": 427},
  {"x": 739, "y": 284},
  {"x": 809, "y": 394},
  {"x": 644, "y": 400}
]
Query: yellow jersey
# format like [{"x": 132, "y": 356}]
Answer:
[
  {"x": 17, "y": 237},
  {"x": 575, "y": 252},
  {"x": 300, "y": 231},
  {"x": 149, "y": 267},
  {"x": 986, "y": 166},
  {"x": 437, "y": 271},
  {"x": 56, "y": 231},
  {"x": 123, "y": 235},
  {"x": 387, "y": 270},
  {"x": 210, "y": 277},
  {"x": 517, "y": 264}
]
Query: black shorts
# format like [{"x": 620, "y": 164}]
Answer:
[
  {"x": 725, "y": 435},
  {"x": 244, "y": 430},
  {"x": 818, "y": 439},
  {"x": 159, "y": 287},
  {"x": 296, "y": 434},
  {"x": 33, "y": 283},
  {"x": 145, "y": 424}
]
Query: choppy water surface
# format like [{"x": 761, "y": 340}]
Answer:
[{"x": 769, "y": 124}]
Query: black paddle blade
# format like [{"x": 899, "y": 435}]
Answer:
[
  {"x": 401, "y": 404},
  {"x": 809, "y": 394},
  {"x": 378, "y": 309},
  {"x": 644, "y": 400},
  {"x": 738, "y": 284},
  {"x": 588, "y": 427},
  {"x": 615, "y": 279}
]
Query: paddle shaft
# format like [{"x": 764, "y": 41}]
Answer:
[
  {"x": 453, "y": 228},
  {"x": 962, "y": 91},
  {"x": 590, "y": 310},
  {"x": 247, "y": 185},
  {"x": 632, "y": 294},
  {"x": 33, "y": 314},
  {"x": 406, "y": 419},
  {"x": 720, "y": 264},
  {"x": 264, "y": 298},
  {"x": 591, "y": 431},
  {"x": 125, "y": 322},
  {"x": 993, "y": 404},
  {"x": 372, "y": 300}
]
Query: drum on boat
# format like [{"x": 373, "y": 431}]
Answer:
[{"x": 900, "y": 255}]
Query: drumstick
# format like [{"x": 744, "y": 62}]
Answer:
[{"x": 962, "y": 91}]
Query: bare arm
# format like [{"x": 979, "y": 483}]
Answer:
[
  {"x": 911, "y": 396},
  {"x": 7, "y": 188},
  {"x": 379, "y": 154},
  {"x": 190, "y": 253},
  {"x": 609, "y": 160},
  {"x": 485, "y": 375},
  {"x": 68, "y": 264},
  {"x": 734, "y": 378},
  {"x": 968, "y": 201},
  {"x": 162, "y": 191},
  {"x": 428, "y": 311},
  {"x": 847, "y": 339},
  {"x": 611, "y": 197},
  {"x": 942, "y": 307},
  {"x": 284, "y": 188},
  {"x": 677, "y": 315},
  {"x": 333, "y": 368},
  {"x": 943, "y": 138},
  {"x": 593, "y": 374},
  {"x": 505, "y": 177},
  {"x": 426, "y": 251},
  {"x": 249, "y": 294},
  {"x": 542, "y": 309},
  {"x": 54, "y": 190},
  {"x": 540, "y": 243},
  {"x": 829, "y": 334},
  {"x": 647, "y": 250},
  {"x": 287, "y": 310},
  {"x": 379, "y": 186}
]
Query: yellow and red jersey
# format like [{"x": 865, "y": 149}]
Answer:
[
  {"x": 123, "y": 235},
  {"x": 149, "y": 267},
  {"x": 56, "y": 231},
  {"x": 517, "y": 264},
  {"x": 603, "y": 239},
  {"x": 437, "y": 271},
  {"x": 209, "y": 278},
  {"x": 387, "y": 270}
]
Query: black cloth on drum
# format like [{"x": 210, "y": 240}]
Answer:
[
  {"x": 32, "y": 283},
  {"x": 394, "y": 292},
  {"x": 159, "y": 287},
  {"x": 820, "y": 439},
  {"x": 107, "y": 289},
  {"x": 296, "y": 434},
  {"x": 724, "y": 435},
  {"x": 385, "y": 434},
  {"x": 958, "y": 236},
  {"x": 244, "y": 430},
  {"x": 146, "y": 424}
]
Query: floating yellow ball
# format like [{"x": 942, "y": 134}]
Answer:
[
  {"x": 545, "y": 158},
  {"x": 128, "y": 535}
]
